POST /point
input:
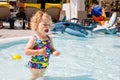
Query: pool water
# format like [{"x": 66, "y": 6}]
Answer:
[{"x": 92, "y": 58}]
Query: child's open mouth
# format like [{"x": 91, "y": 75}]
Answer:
[{"x": 46, "y": 30}]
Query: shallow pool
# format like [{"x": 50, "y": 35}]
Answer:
[{"x": 92, "y": 58}]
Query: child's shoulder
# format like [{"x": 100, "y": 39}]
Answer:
[
  {"x": 31, "y": 42},
  {"x": 32, "y": 38}
]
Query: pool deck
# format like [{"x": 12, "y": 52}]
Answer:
[
  {"x": 14, "y": 34},
  {"x": 10, "y": 33}
]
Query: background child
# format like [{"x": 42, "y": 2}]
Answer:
[{"x": 40, "y": 45}]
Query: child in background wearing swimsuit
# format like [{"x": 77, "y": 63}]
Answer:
[{"x": 40, "y": 46}]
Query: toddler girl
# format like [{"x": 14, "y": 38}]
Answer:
[{"x": 40, "y": 46}]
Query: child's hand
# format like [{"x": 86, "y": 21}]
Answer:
[
  {"x": 42, "y": 51},
  {"x": 56, "y": 53}
]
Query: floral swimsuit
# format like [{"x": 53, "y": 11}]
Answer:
[{"x": 40, "y": 61}]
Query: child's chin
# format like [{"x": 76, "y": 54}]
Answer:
[{"x": 46, "y": 33}]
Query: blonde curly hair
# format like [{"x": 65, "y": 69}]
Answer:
[{"x": 37, "y": 18}]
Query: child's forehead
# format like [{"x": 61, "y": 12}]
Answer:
[{"x": 45, "y": 19}]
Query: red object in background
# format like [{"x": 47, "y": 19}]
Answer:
[
  {"x": 21, "y": 4},
  {"x": 101, "y": 18}
]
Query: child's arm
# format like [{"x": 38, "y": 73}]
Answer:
[
  {"x": 30, "y": 51},
  {"x": 53, "y": 50}
]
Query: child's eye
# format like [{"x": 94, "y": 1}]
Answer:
[{"x": 46, "y": 24}]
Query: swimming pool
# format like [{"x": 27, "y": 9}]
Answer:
[{"x": 92, "y": 58}]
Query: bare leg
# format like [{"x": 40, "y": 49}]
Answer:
[
  {"x": 41, "y": 78},
  {"x": 37, "y": 73},
  {"x": 41, "y": 73}
]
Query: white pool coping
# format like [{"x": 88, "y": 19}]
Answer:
[{"x": 4, "y": 40}]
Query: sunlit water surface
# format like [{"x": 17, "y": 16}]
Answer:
[{"x": 92, "y": 58}]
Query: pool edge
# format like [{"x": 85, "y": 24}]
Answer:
[{"x": 12, "y": 39}]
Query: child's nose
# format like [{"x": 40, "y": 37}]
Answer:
[{"x": 48, "y": 25}]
